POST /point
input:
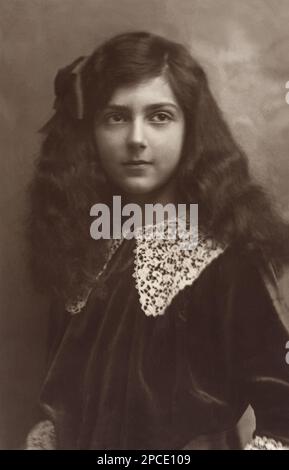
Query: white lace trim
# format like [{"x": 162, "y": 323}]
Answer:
[
  {"x": 163, "y": 267},
  {"x": 42, "y": 436},
  {"x": 163, "y": 264},
  {"x": 265, "y": 443}
]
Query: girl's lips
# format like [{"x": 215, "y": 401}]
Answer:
[
  {"x": 137, "y": 163},
  {"x": 139, "y": 167}
]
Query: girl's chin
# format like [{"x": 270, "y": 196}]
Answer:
[{"x": 138, "y": 189}]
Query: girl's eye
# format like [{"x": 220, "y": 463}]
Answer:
[
  {"x": 115, "y": 118},
  {"x": 161, "y": 117}
]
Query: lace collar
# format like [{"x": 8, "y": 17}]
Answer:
[{"x": 163, "y": 265}]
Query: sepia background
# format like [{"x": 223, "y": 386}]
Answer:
[{"x": 243, "y": 46}]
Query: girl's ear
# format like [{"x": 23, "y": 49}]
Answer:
[{"x": 68, "y": 89}]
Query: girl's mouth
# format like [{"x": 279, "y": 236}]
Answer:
[{"x": 137, "y": 163}]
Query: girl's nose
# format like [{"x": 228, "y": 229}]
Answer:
[{"x": 136, "y": 137}]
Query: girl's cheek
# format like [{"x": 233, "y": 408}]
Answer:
[
  {"x": 160, "y": 140},
  {"x": 115, "y": 139}
]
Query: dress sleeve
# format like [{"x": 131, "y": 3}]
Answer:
[
  {"x": 42, "y": 435},
  {"x": 262, "y": 340}
]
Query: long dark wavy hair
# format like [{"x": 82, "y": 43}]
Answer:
[{"x": 68, "y": 180}]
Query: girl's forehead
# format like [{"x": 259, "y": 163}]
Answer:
[{"x": 145, "y": 93}]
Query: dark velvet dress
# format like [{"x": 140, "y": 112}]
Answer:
[{"x": 125, "y": 377}]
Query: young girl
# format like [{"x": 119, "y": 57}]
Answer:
[{"x": 154, "y": 346}]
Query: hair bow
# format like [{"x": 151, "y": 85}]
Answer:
[{"x": 68, "y": 88}]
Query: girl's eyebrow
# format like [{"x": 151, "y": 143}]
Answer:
[{"x": 150, "y": 107}]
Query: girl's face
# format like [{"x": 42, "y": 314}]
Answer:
[{"x": 139, "y": 137}]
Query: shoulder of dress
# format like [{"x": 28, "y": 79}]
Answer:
[
  {"x": 256, "y": 267},
  {"x": 277, "y": 286}
]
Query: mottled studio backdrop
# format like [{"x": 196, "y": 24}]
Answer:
[{"x": 244, "y": 46}]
